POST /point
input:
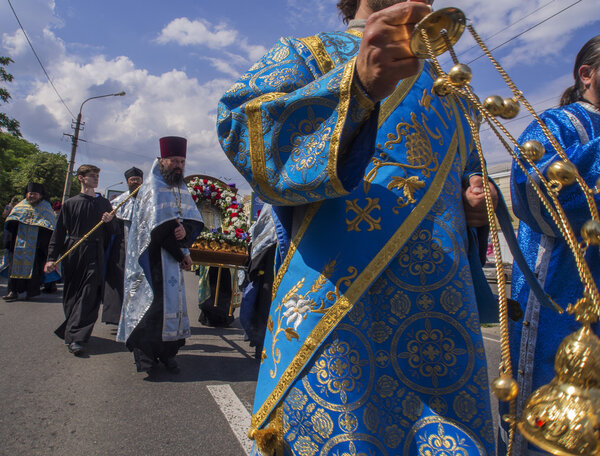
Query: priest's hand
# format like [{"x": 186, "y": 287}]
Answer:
[
  {"x": 186, "y": 263},
  {"x": 474, "y": 202},
  {"x": 384, "y": 57},
  {"x": 107, "y": 217},
  {"x": 49, "y": 267},
  {"x": 179, "y": 232}
]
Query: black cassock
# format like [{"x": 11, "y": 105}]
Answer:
[
  {"x": 145, "y": 341},
  {"x": 115, "y": 275},
  {"x": 32, "y": 285},
  {"x": 257, "y": 296},
  {"x": 83, "y": 269},
  {"x": 211, "y": 315}
]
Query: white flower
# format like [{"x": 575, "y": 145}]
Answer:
[{"x": 296, "y": 310}]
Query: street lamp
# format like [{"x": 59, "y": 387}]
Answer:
[
  {"x": 112, "y": 185},
  {"x": 75, "y": 138}
]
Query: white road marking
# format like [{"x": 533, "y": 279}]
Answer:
[
  {"x": 491, "y": 339},
  {"x": 235, "y": 413}
]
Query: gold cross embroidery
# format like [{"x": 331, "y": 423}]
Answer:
[{"x": 363, "y": 215}]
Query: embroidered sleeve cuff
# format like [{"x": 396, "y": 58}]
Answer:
[{"x": 360, "y": 95}]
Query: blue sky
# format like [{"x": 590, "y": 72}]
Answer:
[{"x": 174, "y": 59}]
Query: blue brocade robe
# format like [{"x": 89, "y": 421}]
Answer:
[
  {"x": 29, "y": 219},
  {"x": 535, "y": 339},
  {"x": 373, "y": 343}
]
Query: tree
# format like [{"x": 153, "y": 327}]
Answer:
[
  {"x": 23, "y": 162},
  {"x": 6, "y": 123}
]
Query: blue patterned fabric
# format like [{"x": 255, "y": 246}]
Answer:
[
  {"x": 30, "y": 218},
  {"x": 373, "y": 343},
  {"x": 535, "y": 339}
]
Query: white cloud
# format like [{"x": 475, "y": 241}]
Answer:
[
  {"x": 122, "y": 131},
  {"x": 15, "y": 44},
  {"x": 198, "y": 32}
]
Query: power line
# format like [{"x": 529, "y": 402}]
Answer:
[
  {"x": 38, "y": 59},
  {"x": 509, "y": 26},
  {"x": 116, "y": 149},
  {"x": 527, "y": 30}
]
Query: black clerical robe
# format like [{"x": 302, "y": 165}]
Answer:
[
  {"x": 83, "y": 269},
  {"x": 211, "y": 315},
  {"x": 115, "y": 271}
]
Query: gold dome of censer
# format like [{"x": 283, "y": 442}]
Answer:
[{"x": 562, "y": 417}]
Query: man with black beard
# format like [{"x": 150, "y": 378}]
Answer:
[
  {"x": 27, "y": 232},
  {"x": 115, "y": 271},
  {"x": 154, "y": 321}
]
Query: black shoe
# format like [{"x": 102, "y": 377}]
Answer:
[
  {"x": 75, "y": 348},
  {"x": 12, "y": 296},
  {"x": 49, "y": 288},
  {"x": 171, "y": 365}
]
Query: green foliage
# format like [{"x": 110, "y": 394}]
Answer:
[
  {"x": 24, "y": 162},
  {"x": 6, "y": 123}
]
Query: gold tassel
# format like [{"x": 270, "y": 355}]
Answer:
[{"x": 266, "y": 440}]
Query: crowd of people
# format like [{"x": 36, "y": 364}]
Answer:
[{"x": 360, "y": 295}]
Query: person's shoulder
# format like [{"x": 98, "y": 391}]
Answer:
[
  {"x": 329, "y": 39},
  {"x": 46, "y": 205},
  {"x": 551, "y": 115},
  {"x": 326, "y": 39}
]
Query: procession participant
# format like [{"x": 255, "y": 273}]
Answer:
[
  {"x": 83, "y": 269},
  {"x": 211, "y": 314},
  {"x": 373, "y": 342},
  {"x": 9, "y": 207},
  {"x": 27, "y": 232},
  {"x": 260, "y": 273},
  {"x": 154, "y": 321},
  {"x": 51, "y": 279},
  {"x": 576, "y": 125},
  {"x": 115, "y": 265}
]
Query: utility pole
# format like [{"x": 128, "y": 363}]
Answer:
[{"x": 75, "y": 139}]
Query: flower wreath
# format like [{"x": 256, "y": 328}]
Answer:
[{"x": 222, "y": 197}]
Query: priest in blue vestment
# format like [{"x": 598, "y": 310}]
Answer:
[
  {"x": 373, "y": 342},
  {"x": 27, "y": 232},
  {"x": 165, "y": 222},
  {"x": 535, "y": 339}
]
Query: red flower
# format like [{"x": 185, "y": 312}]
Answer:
[
  {"x": 195, "y": 197},
  {"x": 234, "y": 206},
  {"x": 205, "y": 181},
  {"x": 234, "y": 214}
]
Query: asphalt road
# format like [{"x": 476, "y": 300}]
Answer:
[{"x": 53, "y": 403}]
